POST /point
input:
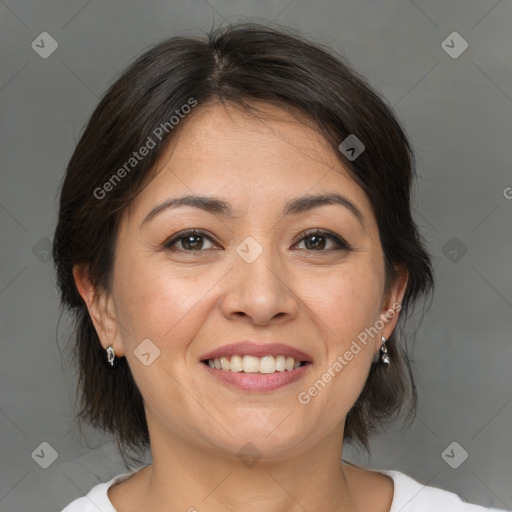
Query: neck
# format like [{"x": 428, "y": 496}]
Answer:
[{"x": 185, "y": 476}]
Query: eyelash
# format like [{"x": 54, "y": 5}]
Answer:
[{"x": 340, "y": 242}]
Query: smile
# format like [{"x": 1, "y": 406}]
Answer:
[
  {"x": 251, "y": 364},
  {"x": 256, "y": 374}
]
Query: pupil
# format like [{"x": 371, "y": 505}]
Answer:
[
  {"x": 192, "y": 242},
  {"x": 317, "y": 242}
]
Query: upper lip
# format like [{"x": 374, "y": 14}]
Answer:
[{"x": 251, "y": 348}]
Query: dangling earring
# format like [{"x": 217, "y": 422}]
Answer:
[
  {"x": 111, "y": 355},
  {"x": 384, "y": 357}
]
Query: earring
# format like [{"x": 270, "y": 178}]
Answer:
[
  {"x": 111, "y": 355},
  {"x": 384, "y": 357}
]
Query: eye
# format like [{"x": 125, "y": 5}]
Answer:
[
  {"x": 322, "y": 241},
  {"x": 190, "y": 240},
  {"x": 194, "y": 240}
]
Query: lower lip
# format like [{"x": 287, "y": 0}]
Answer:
[{"x": 258, "y": 382}]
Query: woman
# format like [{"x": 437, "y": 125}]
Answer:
[{"x": 235, "y": 241}]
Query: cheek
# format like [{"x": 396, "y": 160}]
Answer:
[
  {"x": 151, "y": 302},
  {"x": 346, "y": 302},
  {"x": 167, "y": 305},
  {"x": 343, "y": 306},
  {"x": 164, "y": 307}
]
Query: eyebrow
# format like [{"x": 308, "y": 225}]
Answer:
[{"x": 218, "y": 206}]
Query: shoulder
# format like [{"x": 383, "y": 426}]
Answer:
[
  {"x": 412, "y": 496},
  {"x": 97, "y": 497}
]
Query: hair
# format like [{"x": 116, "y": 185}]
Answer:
[{"x": 235, "y": 65}]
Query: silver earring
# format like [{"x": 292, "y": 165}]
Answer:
[
  {"x": 384, "y": 357},
  {"x": 111, "y": 355}
]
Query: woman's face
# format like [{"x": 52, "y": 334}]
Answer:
[{"x": 267, "y": 273}]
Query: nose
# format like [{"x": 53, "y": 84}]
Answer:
[{"x": 259, "y": 292}]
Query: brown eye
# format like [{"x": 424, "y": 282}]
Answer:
[
  {"x": 190, "y": 241},
  {"x": 323, "y": 242},
  {"x": 315, "y": 242}
]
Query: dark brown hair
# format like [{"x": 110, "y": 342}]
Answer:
[{"x": 234, "y": 64}]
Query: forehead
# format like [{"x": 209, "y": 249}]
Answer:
[
  {"x": 262, "y": 158},
  {"x": 229, "y": 134}
]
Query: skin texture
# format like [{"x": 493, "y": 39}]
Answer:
[{"x": 188, "y": 303}]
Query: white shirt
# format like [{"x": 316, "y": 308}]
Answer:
[{"x": 409, "y": 496}]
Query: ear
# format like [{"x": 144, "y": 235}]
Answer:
[
  {"x": 392, "y": 304},
  {"x": 100, "y": 305}
]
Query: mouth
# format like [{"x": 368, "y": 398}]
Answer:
[
  {"x": 268, "y": 364},
  {"x": 256, "y": 374},
  {"x": 256, "y": 367}
]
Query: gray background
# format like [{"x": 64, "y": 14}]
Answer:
[{"x": 458, "y": 113}]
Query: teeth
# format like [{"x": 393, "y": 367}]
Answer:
[
  {"x": 237, "y": 364},
  {"x": 267, "y": 364},
  {"x": 251, "y": 364},
  {"x": 281, "y": 363}
]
